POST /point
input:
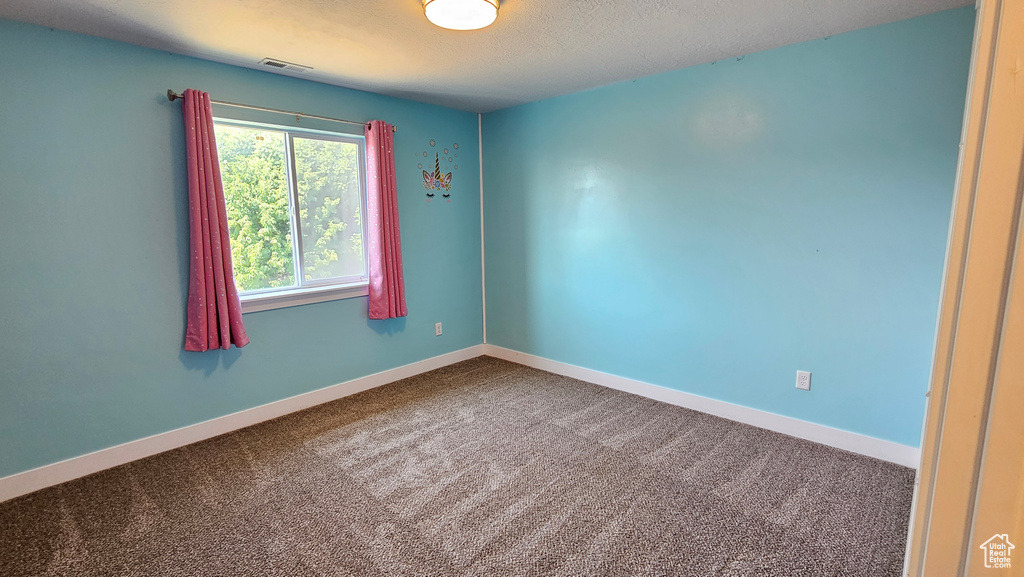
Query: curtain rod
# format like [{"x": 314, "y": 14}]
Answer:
[{"x": 172, "y": 96}]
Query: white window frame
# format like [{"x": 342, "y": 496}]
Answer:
[{"x": 320, "y": 290}]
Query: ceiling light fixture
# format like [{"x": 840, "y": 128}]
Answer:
[{"x": 461, "y": 14}]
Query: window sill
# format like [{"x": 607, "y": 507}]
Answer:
[{"x": 301, "y": 296}]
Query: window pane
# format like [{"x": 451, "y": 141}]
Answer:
[
  {"x": 252, "y": 167},
  {"x": 327, "y": 174}
]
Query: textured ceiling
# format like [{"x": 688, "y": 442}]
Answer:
[{"x": 535, "y": 50}]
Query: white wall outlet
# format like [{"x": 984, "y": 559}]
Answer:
[
  {"x": 437, "y": 329},
  {"x": 803, "y": 380}
]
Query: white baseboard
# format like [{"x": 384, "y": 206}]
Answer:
[
  {"x": 853, "y": 442},
  {"x": 41, "y": 477}
]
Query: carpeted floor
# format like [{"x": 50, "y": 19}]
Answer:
[{"x": 481, "y": 468}]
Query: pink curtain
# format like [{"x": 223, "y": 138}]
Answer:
[
  {"x": 387, "y": 287},
  {"x": 214, "y": 311}
]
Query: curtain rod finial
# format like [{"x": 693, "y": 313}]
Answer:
[{"x": 172, "y": 96}]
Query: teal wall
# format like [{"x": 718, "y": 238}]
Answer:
[
  {"x": 93, "y": 250},
  {"x": 714, "y": 229}
]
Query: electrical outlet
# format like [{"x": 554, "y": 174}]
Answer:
[
  {"x": 437, "y": 329},
  {"x": 803, "y": 380}
]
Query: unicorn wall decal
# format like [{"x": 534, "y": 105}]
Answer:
[{"x": 437, "y": 181}]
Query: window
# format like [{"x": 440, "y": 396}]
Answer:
[{"x": 295, "y": 213}]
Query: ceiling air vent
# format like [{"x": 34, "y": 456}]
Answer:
[{"x": 282, "y": 65}]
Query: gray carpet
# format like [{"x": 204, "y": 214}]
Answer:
[{"x": 481, "y": 468}]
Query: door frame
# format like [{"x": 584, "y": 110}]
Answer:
[{"x": 971, "y": 479}]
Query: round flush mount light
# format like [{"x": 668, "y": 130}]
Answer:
[{"x": 461, "y": 14}]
